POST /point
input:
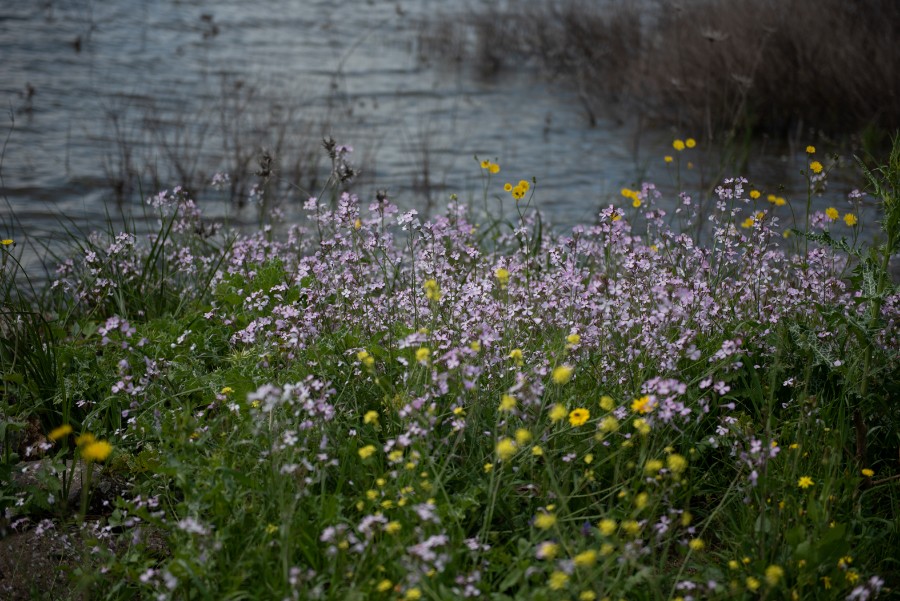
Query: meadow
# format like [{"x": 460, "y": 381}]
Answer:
[{"x": 698, "y": 403}]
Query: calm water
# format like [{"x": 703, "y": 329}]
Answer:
[{"x": 111, "y": 100}]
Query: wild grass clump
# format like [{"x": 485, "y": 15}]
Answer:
[
  {"x": 720, "y": 68},
  {"x": 372, "y": 406}
]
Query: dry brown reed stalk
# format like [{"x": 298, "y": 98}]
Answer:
[{"x": 767, "y": 66}]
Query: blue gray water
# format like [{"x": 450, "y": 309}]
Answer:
[{"x": 104, "y": 102}]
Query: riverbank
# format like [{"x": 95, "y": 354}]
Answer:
[{"x": 373, "y": 406}]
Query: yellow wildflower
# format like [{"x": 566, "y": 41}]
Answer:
[
  {"x": 557, "y": 412},
  {"x": 96, "y": 451},
  {"x": 502, "y": 276},
  {"x": 506, "y": 448},
  {"x": 587, "y": 596},
  {"x": 494, "y": 168},
  {"x": 422, "y": 355},
  {"x": 816, "y": 167},
  {"x": 810, "y": 150},
  {"x": 226, "y": 390},
  {"x": 384, "y": 586},
  {"x": 831, "y": 213},
  {"x": 607, "y": 403},
  {"x": 545, "y": 520},
  {"x": 607, "y": 527},
  {"x": 676, "y": 463},
  {"x": 432, "y": 291},
  {"x": 578, "y": 417},
  {"x": 562, "y": 374},
  {"x": 523, "y": 437},
  {"x": 690, "y": 142},
  {"x": 868, "y": 473},
  {"x": 643, "y": 405},
  {"x": 668, "y": 158},
  {"x": 653, "y": 466},
  {"x": 367, "y": 451},
  {"x": 558, "y": 580},
  {"x": 507, "y": 187},
  {"x": 573, "y": 338},
  {"x": 642, "y": 426},
  {"x": 537, "y": 451},
  {"x": 488, "y": 468},
  {"x": 805, "y": 482},
  {"x": 516, "y": 355},
  {"x": 752, "y": 583},
  {"x": 393, "y": 527},
  {"x": 371, "y": 417},
  {"x": 413, "y": 594},
  {"x": 507, "y": 402},
  {"x": 85, "y": 439},
  {"x": 609, "y": 424},
  {"x": 850, "y": 219},
  {"x": 774, "y": 574},
  {"x": 678, "y": 145},
  {"x": 696, "y": 544},
  {"x": 60, "y": 432},
  {"x": 585, "y": 559},
  {"x": 485, "y": 164}
]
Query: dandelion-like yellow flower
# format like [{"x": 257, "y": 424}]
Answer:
[
  {"x": 502, "y": 276},
  {"x": 690, "y": 142},
  {"x": 494, "y": 168},
  {"x": 850, "y": 219},
  {"x": 413, "y": 594},
  {"x": 607, "y": 403},
  {"x": 643, "y": 405},
  {"x": 676, "y": 463},
  {"x": 733, "y": 564},
  {"x": 516, "y": 355},
  {"x": 547, "y": 550},
  {"x": 60, "y": 432},
  {"x": 754, "y": 194},
  {"x": 587, "y": 596},
  {"x": 752, "y": 583},
  {"x": 831, "y": 213},
  {"x": 507, "y": 187},
  {"x": 678, "y": 145},
  {"x": 485, "y": 164},
  {"x": 557, "y": 412},
  {"x": 810, "y": 150},
  {"x": 226, "y": 390},
  {"x": 636, "y": 203},
  {"x": 85, "y": 439},
  {"x": 573, "y": 338},
  {"x": 653, "y": 466},
  {"x": 668, "y": 158},
  {"x": 96, "y": 451},
  {"x": 585, "y": 559},
  {"x": 507, "y": 402},
  {"x": 524, "y": 184},
  {"x": 367, "y": 451},
  {"x": 371, "y": 417},
  {"x": 631, "y": 527},
  {"x": 422, "y": 354},
  {"x": 475, "y": 345},
  {"x": 384, "y": 586},
  {"x": 545, "y": 520},
  {"x": 488, "y": 468},
  {"x": 578, "y": 417},
  {"x": 774, "y": 574},
  {"x": 816, "y": 167},
  {"x": 558, "y": 580},
  {"x": 506, "y": 448},
  {"x": 562, "y": 374},
  {"x": 867, "y": 472},
  {"x": 537, "y": 451},
  {"x": 393, "y": 527},
  {"x": 609, "y": 424},
  {"x": 642, "y": 426},
  {"x": 365, "y": 358},
  {"x": 523, "y": 437},
  {"x": 805, "y": 482},
  {"x": 748, "y": 223},
  {"x": 6, "y": 242},
  {"x": 432, "y": 290},
  {"x": 607, "y": 527},
  {"x": 696, "y": 544},
  {"x": 780, "y": 201}
]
